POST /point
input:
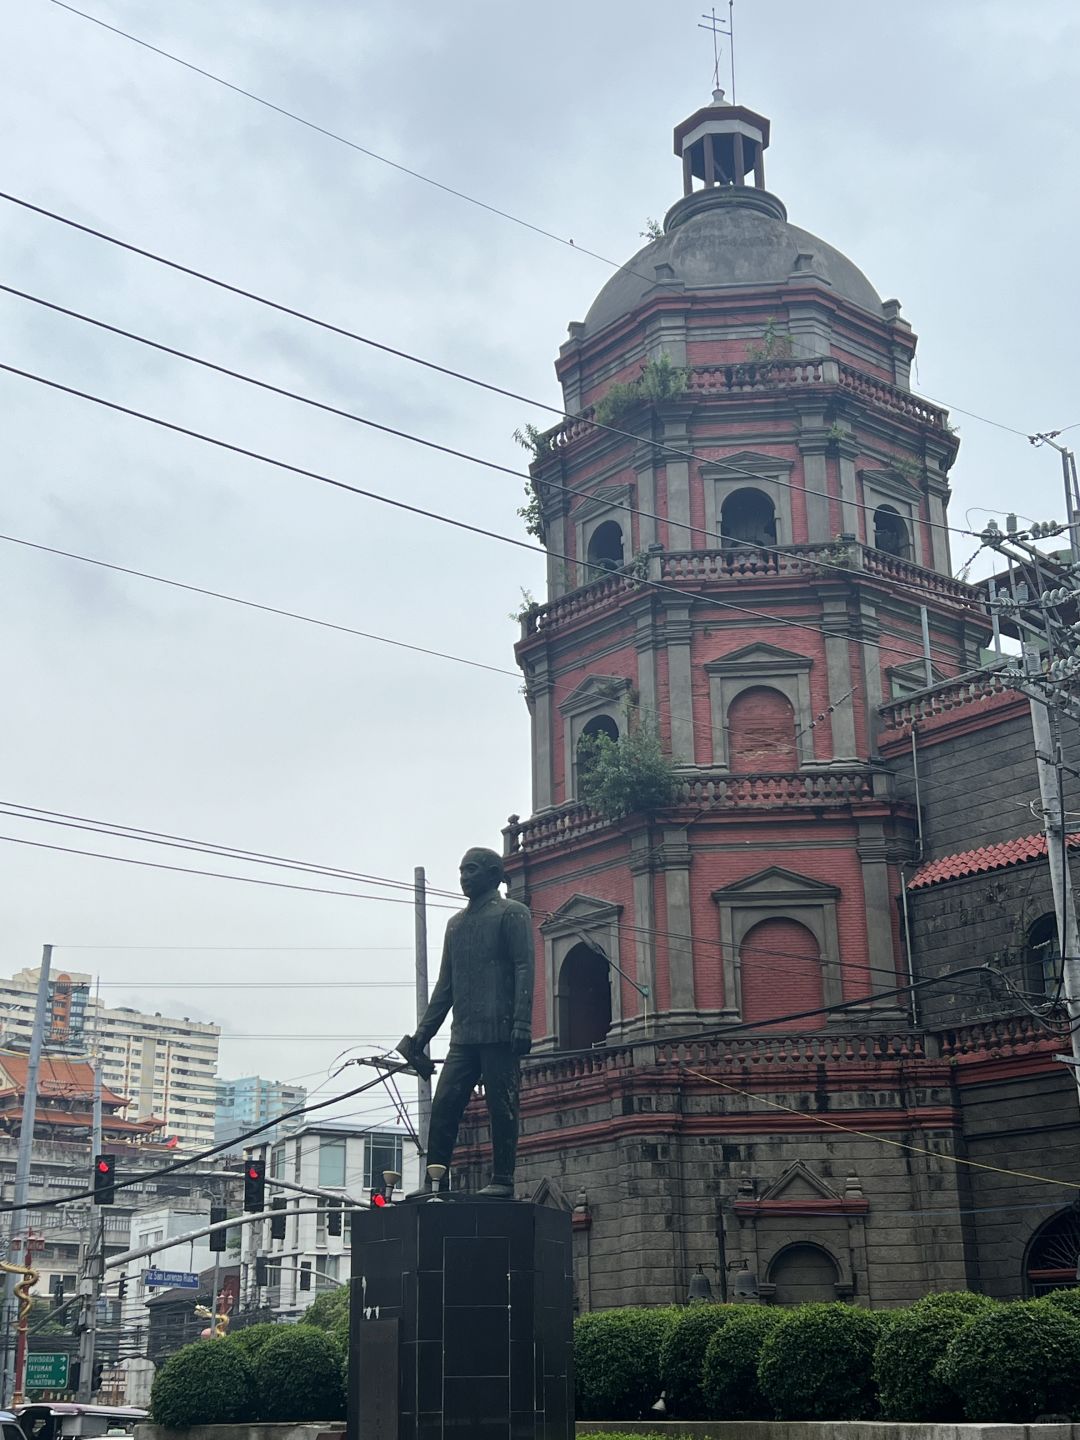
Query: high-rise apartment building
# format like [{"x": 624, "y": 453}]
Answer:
[
  {"x": 166, "y": 1066},
  {"x": 251, "y": 1101}
]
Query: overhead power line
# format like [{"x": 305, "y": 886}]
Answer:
[
  {"x": 914, "y": 650},
  {"x": 354, "y": 418},
  {"x": 458, "y": 194},
  {"x": 449, "y": 371}
]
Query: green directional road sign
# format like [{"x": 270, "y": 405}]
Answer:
[{"x": 46, "y": 1370}]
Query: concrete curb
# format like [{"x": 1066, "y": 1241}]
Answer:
[{"x": 825, "y": 1430}]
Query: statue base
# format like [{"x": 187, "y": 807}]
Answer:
[{"x": 461, "y": 1322}]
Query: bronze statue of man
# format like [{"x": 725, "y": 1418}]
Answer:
[{"x": 486, "y": 976}]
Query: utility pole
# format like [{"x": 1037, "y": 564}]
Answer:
[
  {"x": 423, "y": 1086},
  {"x": 89, "y": 1290},
  {"x": 19, "y": 1219},
  {"x": 1047, "y": 762},
  {"x": 1072, "y": 490}
]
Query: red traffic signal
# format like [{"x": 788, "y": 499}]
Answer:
[
  {"x": 104, "y": 1179},
  {"x": 254, "y": 1186}
]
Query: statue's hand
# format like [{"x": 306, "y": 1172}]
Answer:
[{"x": 521, "y": 1039}]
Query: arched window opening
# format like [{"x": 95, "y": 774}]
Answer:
[
  {"x": 802, "y": 1274},
  {"x": 1042, "y": 956},
  {"x": 606, "y": 547},
  {"x": 890, "y": 533},
  {"x": 584, "y": 999},
  {"x": 747, "y": 517},
  {"x": 761, "y": 732},
  {"x": 1053, "y": 1254},
  {"x": 586, "y": 745},
  {"x": 780, "y": 972}
]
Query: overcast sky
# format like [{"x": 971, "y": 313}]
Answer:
[{"x": 935, "y": 144}]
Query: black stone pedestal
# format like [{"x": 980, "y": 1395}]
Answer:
[{"x": 461, "y": 1322}]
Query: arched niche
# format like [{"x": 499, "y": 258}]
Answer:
[
  {"x": 803, "y": 1273},
  {"x": 780, "y": 972},
  {"x": 606, "y": 549},
  {"x": 1053, "y": 1254},
  {"x": 891, "y": 533},
  {"x": 761, "y": 732},
  {"x": 747, "y": 518}
]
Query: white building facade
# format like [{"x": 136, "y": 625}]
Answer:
[
  {"x": 310, "y": 1260},
  {"x": 164, "y": 1065}
]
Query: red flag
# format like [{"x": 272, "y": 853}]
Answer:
[{"x": 172, "y": 1142}]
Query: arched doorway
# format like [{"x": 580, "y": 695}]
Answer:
[
  {"x": 584, "y": 999},
  {"x": 1053, "y": 1254},
  {"x": 761, "y": 732},
  {"x": 803, "y": 1273},
  {"x": 606, "y": 547},
  {"x": 747, "y": 517},
  {"x": 780, "y": 972},
  {"x": 890, "y": 533}
]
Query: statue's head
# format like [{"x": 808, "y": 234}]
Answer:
[{"x": 480, "y": 870}]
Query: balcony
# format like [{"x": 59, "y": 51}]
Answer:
[
  {"x": 709, "y": 792},
  {"x": 696, "y": 569}
]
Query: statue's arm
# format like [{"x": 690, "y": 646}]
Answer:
[
  {"x": 519, "y": 936},
  {"x": 442, "y": 997}
]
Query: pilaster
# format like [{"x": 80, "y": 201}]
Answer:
[
  {"x": 834, "y": 622},
  {"x": 673, "y": 424},
  {"x": 539, "y": 693},
  {"x": 872, "y": 850},
  {"x": 680, "y": 687},
  {"x": 672, "y": 856}
]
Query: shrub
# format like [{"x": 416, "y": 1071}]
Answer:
[
  {"x": 817, "y": 1363},
  {"x": 729, "y": 1378},
  {"x": 208, "y": 1383},
  {"x": 910, "y": 1347},
  {"x": 617, "y": 1360},
  {"x": 250, "y": 1339},
  {"x": 298, "y": 1376},
  {"x": 1016, "y": 1362},
  {"x": 1065, "y": 1300},
  {"x": 683, "y": 1354},
  {"x": 330, "y": 1311}
]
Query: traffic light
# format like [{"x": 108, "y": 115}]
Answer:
[
  {"x": 121, "y": 1289},
  {"x": 254, "y": 1186},
  {"x": 74, "y": 1376},
  {"x": 305, "y": 1275},
  {"x": 378, "y": 1196},
  {"x": 104, "y": 1179},
  {"x": 261, "y": 1275},
  {"x": 277, "y": 1222},
  {"x": 58, "y": 1292},
  {"x": 218, "y": 1238},
  {"x": 333, "y": 1217},
  {"x": 95, "y": 1376}
]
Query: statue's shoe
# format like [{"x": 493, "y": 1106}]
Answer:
[{"x": 497, "y": 1190}]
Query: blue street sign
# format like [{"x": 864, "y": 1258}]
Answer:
[{"x": 180, "y": 1279}]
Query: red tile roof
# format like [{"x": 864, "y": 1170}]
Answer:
[
  {"x": 58, "y": 1077},
  {"x": 982, "y": 860}
]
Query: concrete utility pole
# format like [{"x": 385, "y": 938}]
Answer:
[
  {"x": 1048, "y": 764},
  {"x": 19, "y": 1218},
  {"x": 423, "y": 1086}
]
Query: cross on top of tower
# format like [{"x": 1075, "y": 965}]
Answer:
[{"x": 716, "y": 29}]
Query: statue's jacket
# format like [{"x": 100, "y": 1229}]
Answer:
[{"x": 486, "y": 974}]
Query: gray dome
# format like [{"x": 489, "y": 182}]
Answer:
[{"x": 728, "y": 236}]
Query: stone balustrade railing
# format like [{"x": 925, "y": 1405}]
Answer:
[
  {"x": 739, "y": 562},
  {"x": 704, "y": 792},
  {"x": 741, "y": 1053},
  {"x": 997, "y": 1037},
  {"x": 980, "y": 685},
  {"x": 765, "y": 375}
]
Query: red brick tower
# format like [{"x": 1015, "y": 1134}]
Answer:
[{"x": 747, "y": 558}]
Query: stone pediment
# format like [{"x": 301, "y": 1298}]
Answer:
[
  {"x": 799, "y": 1182},
  {"x": 550, "y": 1193},
  {"x": 594, "y": 691},
  {"x": 776, "y": 884},
  {"x": 759, "y": 659},
  {"x": 743, "y": 460},
  {"x": 578, "y": 911}
]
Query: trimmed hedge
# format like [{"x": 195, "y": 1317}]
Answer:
[
  {"x": 298, "y": 1376},
  {"x": 208, "y": 1383},
  {"x": 617, "y": 1360},
  {"x": 250, "y": 1339},
  {"x": 817, "y": 1363},
  {"x": 729, "y": 1380},
  {"x": 1067, "y": 1300},
  {"x": 909, "y": 1349},
  {"x": 1015, "y": 1362},
  {"x": 682, "y": 1356}
]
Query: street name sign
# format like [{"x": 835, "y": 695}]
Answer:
[{"x": 180, "y": 1279}]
